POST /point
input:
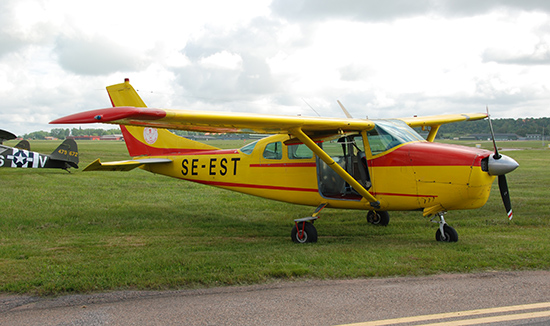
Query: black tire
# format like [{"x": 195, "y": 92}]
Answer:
[
  {"x": 309, "y": 233},
  {"x": 378, "y": 217},
  {"x": 450, "y": 234}
]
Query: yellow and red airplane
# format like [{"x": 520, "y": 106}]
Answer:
[{"x": 373, "y": 165}]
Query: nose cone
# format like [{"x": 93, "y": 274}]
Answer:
[{"x": 502, "y": 165}]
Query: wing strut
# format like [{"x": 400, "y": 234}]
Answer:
[
  {"x": 433, "y": 132},
  {"x": 333, "y": 165}
]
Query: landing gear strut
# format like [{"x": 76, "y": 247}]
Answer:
[{"x": 444, "y": 233}]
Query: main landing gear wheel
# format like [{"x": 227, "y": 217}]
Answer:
[
  {"x": 378, "y": 217},
  {"x": 449, "y": 233},
  {"x": 303, "y": 232}
]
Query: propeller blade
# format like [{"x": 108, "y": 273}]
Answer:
[
  {"x": 505, "y": 194},
  {"x": 497, "y": 155}
]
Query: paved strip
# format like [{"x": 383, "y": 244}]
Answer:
[
  {"x": 301, "y": 303},
  {"x": 494, "y": 319},
  {"x": 468, "y": 313}
]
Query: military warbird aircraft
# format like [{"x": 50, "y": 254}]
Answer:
[
  {"x": 63, "y": 157},
  {"x": 373, "y": 165}
]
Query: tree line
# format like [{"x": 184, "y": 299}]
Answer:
[
  {"x": 61, "y": 133},
  {"x": 521, "y": 127}
]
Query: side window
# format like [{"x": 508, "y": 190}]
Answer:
[
  {"x": 301, "y": 151},
  {"x": 380, "y": 141},
  {"x": 274, "y": 151},
  {"x": 358, "y": 140}
]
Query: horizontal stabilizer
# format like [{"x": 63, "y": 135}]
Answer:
[
  {"x": 123, "y": 165},
  {"x": 6, "y": 135}
]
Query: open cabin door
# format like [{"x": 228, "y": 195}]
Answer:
[{"x": 348, "y": 152}]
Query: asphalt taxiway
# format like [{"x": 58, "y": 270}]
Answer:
[{"x": 499, "y": 298}]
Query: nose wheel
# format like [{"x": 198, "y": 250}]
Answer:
[
  {"x": 449, "y": 234},
  {"x": 445, "y": 233}
]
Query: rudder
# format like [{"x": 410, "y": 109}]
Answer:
[
  {"x": 147, "y": 141},
  {"x": 66, "y": 152}
]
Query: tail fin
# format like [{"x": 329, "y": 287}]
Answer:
[
  {"x": 146, "y": 140},
  {"x": 24, "y": 144},
  {"x": 67, "y": 152}
]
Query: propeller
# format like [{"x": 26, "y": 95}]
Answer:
[{"x": 500, "y": 165}]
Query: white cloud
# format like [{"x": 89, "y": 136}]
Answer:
[
  {"x": 381, "y": 59},
  {"x": 223, "y": 60}
]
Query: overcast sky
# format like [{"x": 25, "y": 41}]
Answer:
[{"x": 381, "y": 59}]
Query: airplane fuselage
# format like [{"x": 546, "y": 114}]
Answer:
[
  {"x": 410, "y": 176},
  {"x": 21, "y": 158}
]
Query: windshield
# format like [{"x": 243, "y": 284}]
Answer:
[
  {"x": 390, "y": 133},
  {"x": 247, "y": 149}
]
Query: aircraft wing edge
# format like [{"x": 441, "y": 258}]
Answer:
[
  {"x": 435, "y": 120},
  {"x": 127, "y": 165},
  {"x": 209, "y": 121},
  {"x": 6, "y": 135}
]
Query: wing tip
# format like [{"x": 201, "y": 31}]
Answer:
[{"x": 111, "y": 115}]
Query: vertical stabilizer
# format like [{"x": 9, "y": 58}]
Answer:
[
  {"x": 147, "y": 141},
  {"x": 67, "y": 152}
]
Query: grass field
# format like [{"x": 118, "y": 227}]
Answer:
[{"x": 101, "y": 231}]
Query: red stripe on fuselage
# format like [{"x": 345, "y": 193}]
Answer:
[
  {"x": 252, "y": 186},
  {"x": 401, "y": 195},
  {"x": 431, "y": 154},
  {"x": 284, "y": 165}
]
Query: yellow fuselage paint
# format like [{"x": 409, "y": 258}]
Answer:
[{"x": 403, "y": 187}]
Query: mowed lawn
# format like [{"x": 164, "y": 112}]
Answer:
[{"x": 99, "y": 231}]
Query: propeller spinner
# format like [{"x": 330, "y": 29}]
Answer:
[{"x": 500, "y": 165}]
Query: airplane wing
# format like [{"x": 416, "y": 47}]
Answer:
[
  {"x": 123, "y": 165},
  {"x": 6, "y": 135},
  {"x": 231, "y": 122},
  {"x": 434, "y": 120},
  {"x": 221, "y": 122}
]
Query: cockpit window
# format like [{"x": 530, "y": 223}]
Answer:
[
  {"x": 300, "y": 151},
  {"x": 247, "y": 149},
  {"x": 274, "y": 151},
  {"x": 390, "y": 133}
]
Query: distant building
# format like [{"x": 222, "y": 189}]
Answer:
[
  {"x": 533, "y": 137},
  {"x": 84, "y": 137},
  {"x": 112, "y": 137},
  {"x": 488, "y": 137}
]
